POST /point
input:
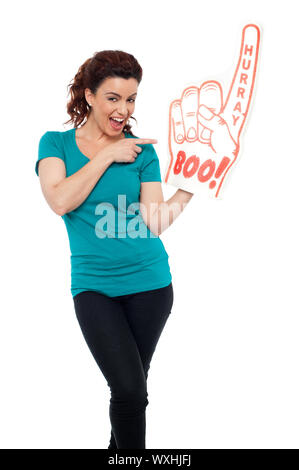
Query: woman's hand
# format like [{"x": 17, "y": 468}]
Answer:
[{"x": 124, "y": 150}]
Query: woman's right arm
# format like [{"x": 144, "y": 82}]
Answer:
[{"x": 65, "y": 194}]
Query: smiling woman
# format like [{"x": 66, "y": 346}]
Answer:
[
  {"x": 113, "y": 106},
  {"x": 92, "y": 73},
  {"x": 109, "y": 114},
  {"x": 121, "y": 281},
  {"x": 119, "y": 119}
]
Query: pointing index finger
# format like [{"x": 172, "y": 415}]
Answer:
[
  {"x": 145, "y": 141},
  {"x": 240, "y": 93}
]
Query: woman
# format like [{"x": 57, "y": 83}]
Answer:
[{"x": 96, "y": 177}]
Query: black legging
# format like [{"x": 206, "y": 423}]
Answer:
[{"x": 122, "y": 333}]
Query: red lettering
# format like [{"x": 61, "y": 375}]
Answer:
[
  {"x": 246, "y": 67},
  {"x": 248, "y": 49},
  {"x": 190, "y": 166},
  {"x": 208, "y": 164},
  {"x": 223, "y": 164},
  {"x": 241, "y": 92},
  {"x": 244, "y": 77},
  {"x": 181, "y": 157},
  {"x": 194, "y": 163},
  {"x": 235, "y": 119},
  {"x": 237, "y": 107}
]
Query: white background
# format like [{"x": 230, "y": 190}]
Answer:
[{"x": 225, "y": 371}]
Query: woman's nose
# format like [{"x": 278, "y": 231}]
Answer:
[{"x": 122, "y": 109}]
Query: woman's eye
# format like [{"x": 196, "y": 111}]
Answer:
[{"x": 131, "y": 99}]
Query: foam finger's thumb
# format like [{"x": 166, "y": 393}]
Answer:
[{"x": 208, "y": 119}]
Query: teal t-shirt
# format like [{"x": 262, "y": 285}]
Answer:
[{"x": 113, "y": 252}]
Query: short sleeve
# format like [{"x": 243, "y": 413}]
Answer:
[
  {"x": 49, "y": 146},
  {"x": 150, "y": 167}
]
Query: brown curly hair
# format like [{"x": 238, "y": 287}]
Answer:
[{"x": 92, "y": 73}]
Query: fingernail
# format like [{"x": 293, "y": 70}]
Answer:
[
  {"x": 191, "y": 133},
  {"x": 205, "y": 112},
  {"x": 180, "y": 138}
]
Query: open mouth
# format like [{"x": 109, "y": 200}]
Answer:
[{"x": 116, "y": 124}]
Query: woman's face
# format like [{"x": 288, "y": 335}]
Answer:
[{"x": 115, "y": 98}]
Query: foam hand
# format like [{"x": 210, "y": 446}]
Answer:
[{"x": 204, "y": 131}]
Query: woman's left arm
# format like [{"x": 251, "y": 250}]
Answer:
[{"x": 158, "y": 214}]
